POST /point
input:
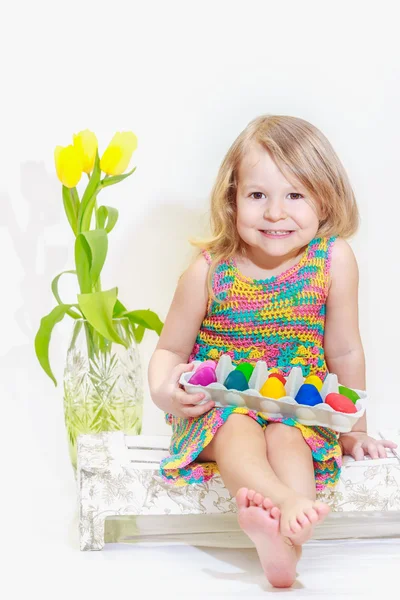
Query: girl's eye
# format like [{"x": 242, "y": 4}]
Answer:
[{"x": 257, "y": 195}]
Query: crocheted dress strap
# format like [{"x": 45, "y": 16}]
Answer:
[{"x": 207, "y": 256}]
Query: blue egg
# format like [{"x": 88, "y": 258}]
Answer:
[
  {"x": 308, "y": 395},
  {"x": 236, "y": 380}
]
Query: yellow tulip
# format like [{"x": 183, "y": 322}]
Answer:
[
  {"x": 68, "y": 165},
  {"x": 118, "y": 154},
  {"x": 86, "y": 144}
]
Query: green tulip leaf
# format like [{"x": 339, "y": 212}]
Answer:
[
  {"x": 98, "y": 310},
  {"x": 89, "y": 197},
  {"x": 71, "y": 206},
  {"x": 107, "y": 214},
  {"x": 83, "y": 262},
  {"x": 115, "y": 178},
  {"x": 42, "y": 339},
  {"x": 54, "y": 289},
  {"x": 97, "y": 240},
  {"x": 90, "y": 255},
  {"x": 147, "y": 318},
  {"x": 119, "y": 309},
  {"x": 120, "y": 312},
  {"x": 138, "y": 332}
]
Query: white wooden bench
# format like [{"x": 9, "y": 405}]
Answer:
[{"x": 123, "y": 499}]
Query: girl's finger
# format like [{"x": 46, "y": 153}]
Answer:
[
  {"x": 372, "y": 450},
  {"x": 381, "y": 451},
  {"x": 179, "y": 369},
  {"x": 358, "y": 452},
  {"x": 187, "y": 399},
  {"x": 388, "y": 443},
  {"x": 196, "y": 411}
]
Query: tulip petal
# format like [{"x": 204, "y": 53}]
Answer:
[
  {"x": 118, "y": 154},
  {"x": 86, "y": 144},
  {"x": 68, "y": 165}
]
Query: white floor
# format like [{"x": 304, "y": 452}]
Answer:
[{"x": 43, "y": 557}]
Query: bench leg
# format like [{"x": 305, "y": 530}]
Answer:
[{"x": 91, "y": 530}]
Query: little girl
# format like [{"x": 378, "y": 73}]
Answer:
[{"x": 276, "y": 282}]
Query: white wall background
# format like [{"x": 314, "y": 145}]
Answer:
[{"x": 186, "y": 77}]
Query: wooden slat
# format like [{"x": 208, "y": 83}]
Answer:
[
  {"x": 146, "y": 454},
  {"x": 154, "y": 448},
  {"x": 157, "y": 442}
]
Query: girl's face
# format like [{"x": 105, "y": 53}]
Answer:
[{"x": 273, "y": 216}]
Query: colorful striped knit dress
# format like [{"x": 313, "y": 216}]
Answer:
[{"x": 279, "y": 320}]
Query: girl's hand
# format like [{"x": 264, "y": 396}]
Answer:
[
  {"x": 358, "y": 443},
  {"x": 183, "y": 404}
]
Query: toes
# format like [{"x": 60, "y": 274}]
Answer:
[
  {"x": 275, "y": 512},
  {"x": 250, "y": 495},
  {"x": 312, "y": 515},
  {"x": 290, "y": 527},
  {"x": 321, "y": 508},
  {"x": 303, "y": 520},
  {"x": 267, "y": 503},
  {"x": 294, "y": 526},
  {"x": 241, "y": 498},
  {"x": 258, "y": 499}
]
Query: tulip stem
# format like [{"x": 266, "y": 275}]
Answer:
[
  {"x": 97, "y": 287},
  {"x": 95, "y": 213}
]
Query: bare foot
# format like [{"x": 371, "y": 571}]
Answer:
[
  {"x": 259, "y": 519},
  {"x": 299, "y": 515}
]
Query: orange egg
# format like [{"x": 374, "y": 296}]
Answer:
[{"x": 278, "y": 376}]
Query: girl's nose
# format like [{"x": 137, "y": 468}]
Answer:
[{"x": 275, "y": 210}]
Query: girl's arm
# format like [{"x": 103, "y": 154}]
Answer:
[
  {"x": 177, "y": 339},
  {"x": 344, "y": 352}
]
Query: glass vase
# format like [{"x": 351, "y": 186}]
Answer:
[{"x": 103, "y": 386}]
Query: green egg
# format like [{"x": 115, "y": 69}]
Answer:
[
  {"x": 246, "y": 368},
  {"x": 351, "y": 394}
]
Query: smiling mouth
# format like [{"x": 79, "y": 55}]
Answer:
[{"x": 276, "y": 232}]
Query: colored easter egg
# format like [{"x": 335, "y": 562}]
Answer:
[
  {"x": 246, "y": 368},
  {"x": 278, "y": 376},
  {"x": 203, "y": 376},
  {"x": 208, "y": 363},
  {"x": 315, "y": 381},
  {"x": 351, "y": 394},
  {"x": 308, "y": 395},
  {"x": 236, "y": 381},
  {"x": 340, "y": 403},
  {"x": 273, "y": 388}
]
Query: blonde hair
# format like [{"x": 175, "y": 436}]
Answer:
[{"x": 299, "y": 149}]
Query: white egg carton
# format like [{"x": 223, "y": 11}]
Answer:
[{"x": 321, "y": 414}]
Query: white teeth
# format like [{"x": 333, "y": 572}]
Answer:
[{"x": 273, "y": 232}]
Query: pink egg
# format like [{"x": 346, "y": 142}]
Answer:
[
  {"x": 203, "y": 376},
  {"x": 340, "y": 403},
  {"x": 208, "y": 363}
]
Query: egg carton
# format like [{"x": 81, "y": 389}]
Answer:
[{"x": 321, "y": 414}]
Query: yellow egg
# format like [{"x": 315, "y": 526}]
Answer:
[
  {"x": 315, "y": 381},
  {"x": 273, "y": 388}
]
